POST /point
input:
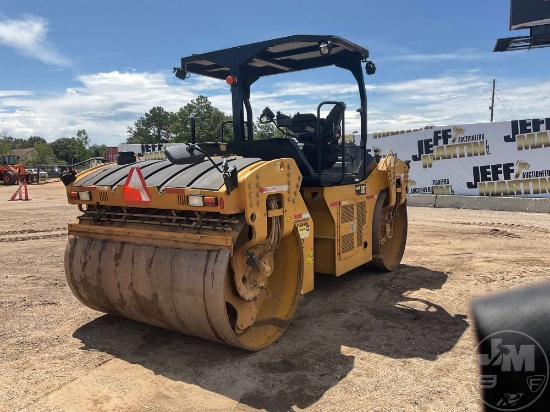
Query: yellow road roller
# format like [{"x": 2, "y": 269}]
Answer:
[{"x": 220, "y": 240}]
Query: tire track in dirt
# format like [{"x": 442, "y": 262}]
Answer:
[
  {"x": 25, "y": 231},
  {"x": 24, "y": 235},
  {"x": 502, "y": 233},
  {"x": 517, "y": 226}
]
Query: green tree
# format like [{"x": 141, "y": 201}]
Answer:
[
  {"x": 8, "y": 143},
  {"x": 5, "y": 142},
  {"x": 154, "y": 127},
  {"x": 79, "y": 152},
  {"x": 19, "y": 143},
  {"x": 70, "y": 149},
  {"x": 82, "y": 137},
  {"x": 80, "y": 145},
  {"x": 34, "y": 140},
  {"x": 43, "y": 155},
  {"x": 76, "y": 149},
  {"x": 139, "y": 133},
  {"x": 263, "y": 131},
  {"x": 208, "y": 120},
  {"x": 97, "y": 150},
  {"x": 62, "y": 149}
]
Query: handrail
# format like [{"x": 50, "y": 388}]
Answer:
[{"x": 342, "y": 135}]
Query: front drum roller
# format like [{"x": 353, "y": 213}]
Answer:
[
  {"x": 389, "y": 233},
  {"x": 190, "y": 291}
]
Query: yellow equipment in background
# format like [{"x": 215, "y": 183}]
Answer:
[{"x": 220, "y": 240}]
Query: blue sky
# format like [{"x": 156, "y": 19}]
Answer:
[{"x": 100, "y": 65}]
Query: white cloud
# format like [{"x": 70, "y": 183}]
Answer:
[
  {"x": 314, "y": 90},
  {"x": 456, "y": 99},
  {"x": 457, "y": 55},
  {"x": 105, "y": 104},
  {"x": 7, "y": 93},
  {"x": 203, "y": 83},
  {"x": 28, "y": 36}
]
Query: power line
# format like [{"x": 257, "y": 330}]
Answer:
[
  {"x": 503, "y": 98},
  {"x": 507, "y": 104},
  {"x": 492, "y": 107},
  {"x": 506, "y": 107}
]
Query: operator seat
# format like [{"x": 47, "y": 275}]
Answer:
[
  {"x": 330, "y": 130},
  {"x": 304, "y": 125},
  {"x": 332, "y": 126}
]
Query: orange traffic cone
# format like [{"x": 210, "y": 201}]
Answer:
[{"x": 22, "y": 184}]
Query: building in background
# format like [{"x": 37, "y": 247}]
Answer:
[
  {"x": 111, "y": 154},
  {"x": 23, "y": 154}
]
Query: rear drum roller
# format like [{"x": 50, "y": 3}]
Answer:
[
  {"x": 190, "y": 291},
  {"x": 389, "y": 233}
]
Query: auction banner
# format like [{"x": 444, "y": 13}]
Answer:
[
  {"x": 484, "y": 159},
  {"x": 145, "y": 151}
]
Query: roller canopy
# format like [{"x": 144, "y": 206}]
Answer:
[{"x": 285, "y": 54}]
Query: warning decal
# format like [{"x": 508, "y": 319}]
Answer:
[
  {"x": 303, "y": 230},
  {"x": 135, "y": 190}
]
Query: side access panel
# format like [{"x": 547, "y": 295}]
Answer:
[{"x": 343, "y": 220}]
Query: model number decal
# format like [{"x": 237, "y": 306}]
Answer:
[{"x": 361, "y": 189}]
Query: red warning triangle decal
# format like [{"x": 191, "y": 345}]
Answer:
[{"x": 135, "y": 190}]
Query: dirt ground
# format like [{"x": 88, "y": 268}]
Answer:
[{"x": 364, "y": 341}]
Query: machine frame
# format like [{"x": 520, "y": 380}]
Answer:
[{"x": 220, "y": 240}]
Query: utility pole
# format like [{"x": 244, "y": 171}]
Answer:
[{"x": 492, "y": 107}]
